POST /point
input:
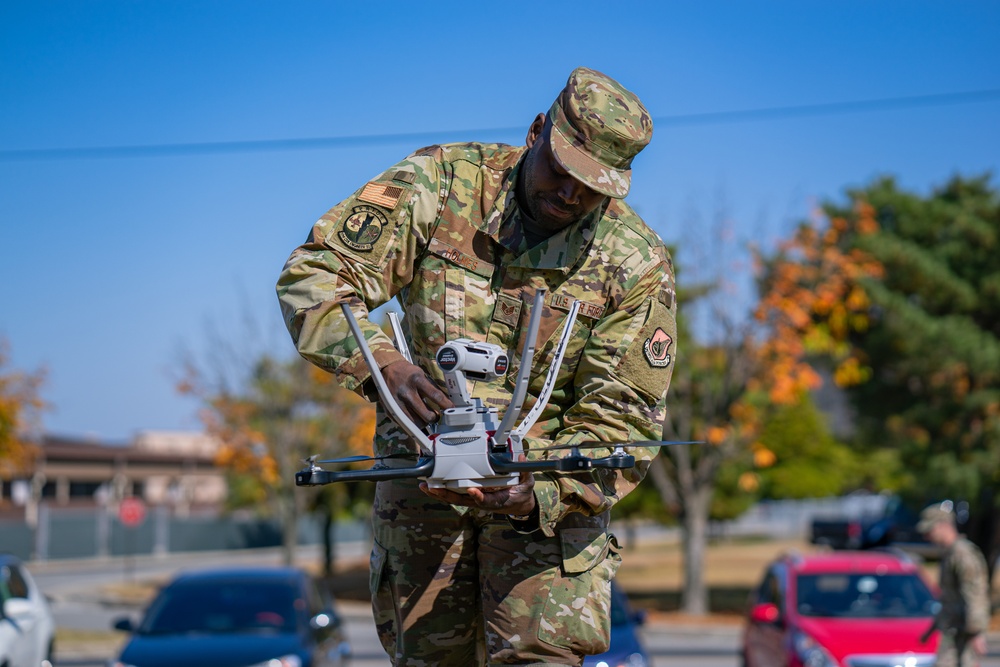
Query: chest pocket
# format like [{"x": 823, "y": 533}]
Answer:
[
  {"x": 554, "y": 316},
  {"x": 450, "y": 297}
]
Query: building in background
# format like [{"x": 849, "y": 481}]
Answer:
[{"x": 163, "y": 468}]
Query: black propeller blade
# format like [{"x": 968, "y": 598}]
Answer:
[{"x": 596, "y": 444}]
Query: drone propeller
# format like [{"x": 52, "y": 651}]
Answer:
[
  {"x": 597, "y": 444},
  {"x": 356, "y": 459},
  {"x": 315, "y": 476}
]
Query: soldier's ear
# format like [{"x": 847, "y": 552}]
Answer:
[{"x": 535, "y": 130}]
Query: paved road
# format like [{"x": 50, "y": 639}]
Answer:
[
  {"x": 669, "y": 648},
  {"x": 71, "y": 585}
]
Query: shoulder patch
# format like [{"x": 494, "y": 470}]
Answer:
[
  {"x": 647, "y": 364},
  {"x": 657, "y": 348},
  {"x": 362, "y": 228},
  {"x": 381, "y": 194}
]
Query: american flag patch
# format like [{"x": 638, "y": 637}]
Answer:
[{"x": 381, "y": 194}]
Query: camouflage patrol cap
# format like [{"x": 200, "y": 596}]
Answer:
[
  {"x": 597, "y": 128},
  {"x": 934, "y": 514}
]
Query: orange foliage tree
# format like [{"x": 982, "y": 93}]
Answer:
[
  {"x": 724, "y": 393},
  {"x": 283, "y": 413},
  {"x": 813, "y": 301},
  {"x": 706, "y": 403},
  {"x": 20, "y": 410},
  {"x": 899, "y": 296}
]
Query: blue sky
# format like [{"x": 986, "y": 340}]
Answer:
[{"x": 114, "y": 262}]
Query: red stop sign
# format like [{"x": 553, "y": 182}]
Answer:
[{"x": 131, "y": 511}]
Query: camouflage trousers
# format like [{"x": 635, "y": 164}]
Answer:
[
  {"x": 955, "y": 651},
  {"x": 453, "y": 586}
]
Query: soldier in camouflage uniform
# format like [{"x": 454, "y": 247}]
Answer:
[
  {"x": 464, "y": 235},
  {"x": 964, "y": 616}
]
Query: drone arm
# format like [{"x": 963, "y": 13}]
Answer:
[
  {"x": 388, "y": 401},
  {"x": 550, "y": 377},
  {"x": 524, "y": 372},
  {"x": 397, "y": 336},
  {"x": 575, "y": 462},
  {"x": 315, "y": 476}
]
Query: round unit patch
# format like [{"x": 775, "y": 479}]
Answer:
[
  {"x": 657, "y": 348},
  {"x": 362, "y": 228}
]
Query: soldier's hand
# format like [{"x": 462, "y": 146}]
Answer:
[
  {"x": 518, "y": 499},
  {"x": 416, "y": 393},
  {"x": 979, "y": 644}
]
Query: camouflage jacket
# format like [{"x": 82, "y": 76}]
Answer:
[
  {"x": 965, "y": 602},
  {"x": 441, "y": 231}
]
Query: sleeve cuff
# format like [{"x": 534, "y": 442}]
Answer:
[
  {"x": 525, "y": 524},
  {"x": 548, "y": 505},
  {"x": 359, "y": 377}
]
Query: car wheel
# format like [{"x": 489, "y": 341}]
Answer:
[{"x": 50, "y": 654}]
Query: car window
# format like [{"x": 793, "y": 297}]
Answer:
[
  {"x": 13, "y": 583},
  {"x": 769, "y": 591},
  {"x": 224, "y": 607},
  {"x": 860, "y": 595}
]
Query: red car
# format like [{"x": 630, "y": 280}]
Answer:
[{"x": 840, "y": 609}]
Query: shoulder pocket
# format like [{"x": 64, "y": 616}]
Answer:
[
  {"x": 648, "y": 363},
  {"x": 366, "y": 225}
]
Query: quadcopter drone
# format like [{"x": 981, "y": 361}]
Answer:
[{"x": 469, "y": 446}]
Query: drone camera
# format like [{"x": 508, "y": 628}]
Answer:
[{"x": 479, "y": 361}]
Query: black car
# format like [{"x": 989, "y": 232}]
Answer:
[{"x": 265, "y": 617}]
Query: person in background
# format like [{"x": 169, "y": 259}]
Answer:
[{"x": 964, "y": 615}]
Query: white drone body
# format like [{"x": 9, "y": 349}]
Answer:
[{"x": 469, "y": 446}]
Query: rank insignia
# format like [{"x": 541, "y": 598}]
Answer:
[
  {"x": 657, "y": 348},
  {"x": 362, "y": 228},
  {"x": 508, "y": 309}
]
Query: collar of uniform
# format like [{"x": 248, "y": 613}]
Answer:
[
  {"x": 505, "y": 200},
  {"x": 562, "y": 250}
]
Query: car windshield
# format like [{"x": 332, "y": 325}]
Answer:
[
  {"x": 230, "y": 607},
  {"x": 864, "y": 596}
]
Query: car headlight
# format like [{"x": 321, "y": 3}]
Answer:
[
  {"x": 810, "y": 652},
  {"x": 634, "y": 660},
  {"x": 283, "y": 661}
]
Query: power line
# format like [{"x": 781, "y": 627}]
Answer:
[{"x": 430, "y": 137}]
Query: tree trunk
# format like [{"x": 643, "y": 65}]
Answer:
[{"x": 695, "y": 538}]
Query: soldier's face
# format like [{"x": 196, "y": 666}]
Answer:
[{"x": 554, "y": 199}]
